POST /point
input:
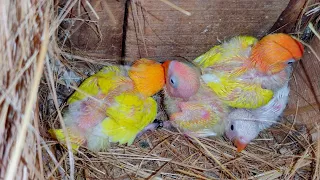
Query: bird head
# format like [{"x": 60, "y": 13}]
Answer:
[
  {"x": 148, "y": 76},
  {"x": 275, "y": 52},
  {"x": 241, "y": 128},
  {"x": 182, "y": 79}
]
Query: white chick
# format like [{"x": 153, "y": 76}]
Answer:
[{"x": 244, "y": 125}]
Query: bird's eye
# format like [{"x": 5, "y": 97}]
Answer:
[
  {"x": 232, "y": 127},
  {"x": 173, "y": 81},
  {"x": 290, "y": 61}
]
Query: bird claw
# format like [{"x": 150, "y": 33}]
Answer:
[{"x": 159, "y": 122}]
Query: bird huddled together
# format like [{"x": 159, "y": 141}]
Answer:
[{"x": 236, "y": 89}]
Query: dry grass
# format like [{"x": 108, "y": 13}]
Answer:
[
  {"x": 285, "y": 151},
  {"x": 24, "y": 37}
]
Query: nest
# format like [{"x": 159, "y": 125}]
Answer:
[{"x": 40, "y": 69}]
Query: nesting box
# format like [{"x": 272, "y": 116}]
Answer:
[{"x": 50, "y": 47}]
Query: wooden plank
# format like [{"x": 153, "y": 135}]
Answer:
[
  {"x": 158, "y": 31},
  {"x": 97, "y": 38},
  {"x": 289, "y": 17},
  {"x": 293, "y": 18},
  {"x": 305, "y": 89}
]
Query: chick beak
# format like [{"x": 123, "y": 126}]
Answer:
[{"x": 239, "y": 144}]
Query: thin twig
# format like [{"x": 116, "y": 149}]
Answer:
[
  {"x": 215, "y": 159},
  {"x": 191, "y": 174},
  {"x": 92, "y": 9},
  {"x": 109, "y": 11},
  {"x": 176, "y": 7},
  {"x": 310, "y": 25}
]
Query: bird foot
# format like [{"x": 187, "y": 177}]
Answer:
[{"x": 157, "y": 124}]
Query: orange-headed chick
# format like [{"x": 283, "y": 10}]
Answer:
[
  {"x": 245, "y": 72},
  {"x": 274, "y": 52},
  {"x": 113, "y": 105}
]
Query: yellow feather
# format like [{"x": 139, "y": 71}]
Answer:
[
  {"x": 128, "y": 109},
  {"x": 128, "y": 116},
  {"x": 105, "y": 80},
  {"x": 209, "y": 58},
  {"x": 239, "y": 94},
  {"x": 224, "y": 66},
  {"x": 76, "y": 139},
  {"x": 88, "y": 86},
  {"x": 202, "y": 115},
  {"x": 224, "y": 52}
]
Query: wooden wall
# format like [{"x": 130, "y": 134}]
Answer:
[{"x": 158, "y": 31}]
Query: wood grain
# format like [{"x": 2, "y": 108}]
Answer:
[
  {"x": 96, "y": 38},
  {"x": 305, "y": 89},
  {"x": 158, "y": 31}
]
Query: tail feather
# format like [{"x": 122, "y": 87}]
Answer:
[
  {"x": 76, "y": 139},
  {"x": 97, "y": 139}
]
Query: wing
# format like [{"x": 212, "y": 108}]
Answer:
[
  {"x": 228, "y": 55},
  {"x": 209, "y": 58},
  {"x": 106, "y": 79},
  {"x": 202, "y": 117},
  {"x": 85, "y": 114},
  {"x": 271, "y": 112},
  {"x": 128, "y": 116},
  {"x": 238, "y": 94}
]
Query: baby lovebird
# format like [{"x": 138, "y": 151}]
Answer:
[
  {"x": 245, "y": 72},
  {"x": 192, "y": 107},
  {"x": 113, "y": 105},
  {"x": 243, "y": 125}
]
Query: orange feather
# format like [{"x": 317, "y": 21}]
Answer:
[
  {"x": 272, "y": 52},
  {"x": 145, "y": 70}
]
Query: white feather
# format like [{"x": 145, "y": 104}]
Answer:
[
  {"x": 270, "y": 113},
  {"x": 247, "y": 124},
  {"x": 207, "y": 78}
]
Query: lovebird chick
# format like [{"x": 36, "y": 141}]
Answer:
[
  {"x": 191, "y": 105},
  {"x": 243, "y": 125},
  {"x": 245, "y": 72},
  {"x": 113, "y": 105}
]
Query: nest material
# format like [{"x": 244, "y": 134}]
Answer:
[
  {"x": 284, "y": 151},
  {"x": 22, "y": 51}
]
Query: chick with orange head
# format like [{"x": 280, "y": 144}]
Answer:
[
  {"x": 113, "y": 105},
  {"x": 245, "y": 72},
  {"x": 252, "y": 76}
]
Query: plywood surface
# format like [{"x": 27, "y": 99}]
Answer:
[
  {"x": 158, "y": 31},
  {"x": 98, "y": 33},
  {"x": 305, "y": 89}
]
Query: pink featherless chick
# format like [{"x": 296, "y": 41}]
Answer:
[{"x": 192, "y": 107}]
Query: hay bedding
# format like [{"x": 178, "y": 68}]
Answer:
[{"x": 285, "y": 151}]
